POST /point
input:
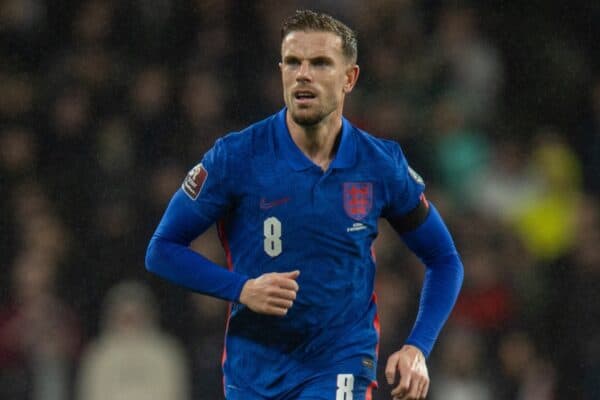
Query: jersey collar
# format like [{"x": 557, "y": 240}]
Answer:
[{"x": 287, "y": 149}]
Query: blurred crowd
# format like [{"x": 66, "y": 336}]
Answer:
[{"x": 105, "y": 104}]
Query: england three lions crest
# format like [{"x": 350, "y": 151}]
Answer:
[{"x": 358, "y": 199}]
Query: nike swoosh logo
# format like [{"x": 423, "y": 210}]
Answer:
[{"x": 265, "y": 205}]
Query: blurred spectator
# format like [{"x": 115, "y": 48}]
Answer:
[
  {"x": 460, "y": 375},
  {"x": 525, "y": 374},
  {"x": 115, "y": 149},
  {"x": 18, "y": 153},
  {"x": 213, "y": 45},
  {"x": 473, "y": 65},
  {"x": 486, "y": 303},
  {"x": 132, "y": 358},
  {"x": 19, "y": 94},
  {"x": 93, "y": 21},
  {"x": 40, "y": 337},
  {"x": 460, "y": 153},
  {"x": 508, "y": 184},
  {"x": 37, "y": 227},
  {"x": 204, "y": 115},
  {"x": 389, "y": 117},
  {"x": 21, "y": 15},
  {"x": 70, "y": 115},
  {"x": 202, "y": 98},
  {"x": 23, "y": 25},
  {"x": 150, "y": 94},
  {"x": 578, "y": 313},
  {"x": 547, "y": 224},
  {"x": 151, "y": 110}
]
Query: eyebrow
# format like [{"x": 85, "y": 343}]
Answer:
[
  {"x": 322, "y": 60},
  {"x": 313, "y": 60}
]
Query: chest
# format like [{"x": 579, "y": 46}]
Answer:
[{"x": 334, "y": 206}]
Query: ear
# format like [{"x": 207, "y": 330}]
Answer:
[
  {"x": 280, "y": 65},
  {"x": 351, "y": 77}
]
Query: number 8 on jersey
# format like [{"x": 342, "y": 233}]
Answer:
[{"x": 272, "y": 232}]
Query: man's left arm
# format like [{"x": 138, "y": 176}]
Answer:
[{"x": 426, "y": 235}]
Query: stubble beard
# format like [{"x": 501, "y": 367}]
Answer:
[{"x": 310, "y": 118}]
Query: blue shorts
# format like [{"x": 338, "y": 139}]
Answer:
[{"x": 324, "y": 387}]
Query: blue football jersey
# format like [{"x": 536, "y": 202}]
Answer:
[{"x": 278, "y": 212}]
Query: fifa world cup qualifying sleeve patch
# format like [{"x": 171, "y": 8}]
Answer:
[{"x": 193, "y": 182}]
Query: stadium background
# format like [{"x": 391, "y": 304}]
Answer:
[{"x": 104, "y": 106}]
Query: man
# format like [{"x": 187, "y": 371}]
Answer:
[{"x": 297, "y": 197}]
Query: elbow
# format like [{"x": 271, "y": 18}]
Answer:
[
  {"x": 151, "y": 256},
  {"x": 450, "y": 266},
  {"x": 460, "y": 271}
]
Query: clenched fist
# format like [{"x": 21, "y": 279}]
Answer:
[{"x": 272, "y": 294}]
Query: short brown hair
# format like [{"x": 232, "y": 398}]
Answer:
[{"x": 308, "y": 20}]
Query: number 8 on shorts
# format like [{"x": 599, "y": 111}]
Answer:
[{"x": 345, "y": 385}]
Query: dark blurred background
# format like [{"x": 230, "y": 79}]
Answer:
[{"x": 105, "y": 105}]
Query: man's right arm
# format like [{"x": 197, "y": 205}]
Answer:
[
  {"x": 169, "y": 255},
  {"x": 204, "y": 197}
]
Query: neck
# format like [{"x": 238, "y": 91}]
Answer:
[{"x": 318, "y": 142}]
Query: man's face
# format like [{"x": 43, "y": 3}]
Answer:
[{"x": 315, "y": 74}]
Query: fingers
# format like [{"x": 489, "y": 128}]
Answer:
[
  {"x": 414, "y": 391},
  {"x": 271, "y": 293},
  {"x": 424, "y": 388},
  {"x": 275, "y": 311},
  {"x": 281, "y": 303},
  {"x": 413, "y": 376},
  {"x": 422, "y": 377},
  {"x": 278, "y": 293},
  {"x": 403, "y": 387},
  {"x": 291, "y": 275},
  {"x": 417, "y": 378},
  {"x": 282, "y": 293},
  {"x": 390, "y": 369},
  {"x": 287, "y": 280},
  {"x": 416, "y": 388}
]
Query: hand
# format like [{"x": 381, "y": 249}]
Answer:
[
  {"x": 409, "y": 362},
  {"x": 273, "y": 293}
]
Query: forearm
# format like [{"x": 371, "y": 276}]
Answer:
[
  {"x": 432, "y": 243},
  {"x": 170, "y": 256},
  {"x": 183, "y": 266},
  {"x": 440, "y": 289}
]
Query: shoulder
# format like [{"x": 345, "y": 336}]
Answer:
[
  {"x": 377, "y": 150},
  {"x": 250, "y": 139},
  {"x": 236, "y": 152}
]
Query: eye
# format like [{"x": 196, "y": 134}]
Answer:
[
  {"x": 321, "y": 62},
  {"x": 291, "y": 62}
]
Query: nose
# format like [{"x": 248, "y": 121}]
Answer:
[{"x": 303, "y": 74}]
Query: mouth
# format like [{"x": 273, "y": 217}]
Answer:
[{"x": 304, "y": 96}]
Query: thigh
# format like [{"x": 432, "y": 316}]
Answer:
[{"x": 336, "y": 387}]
